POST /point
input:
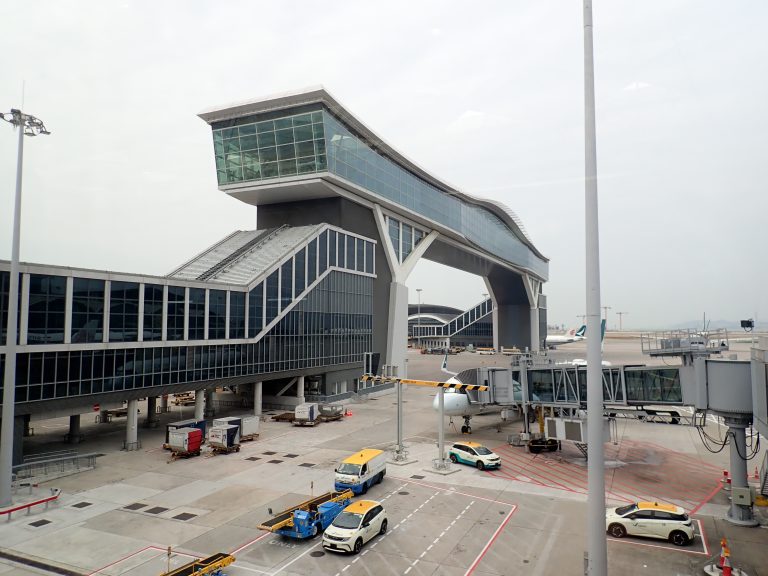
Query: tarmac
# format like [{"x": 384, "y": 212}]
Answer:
[{"x": 528, "y": 518}]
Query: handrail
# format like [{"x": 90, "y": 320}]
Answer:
[
  {"x": 55, "y": 493},
  {"x": 47, "y": 455}
]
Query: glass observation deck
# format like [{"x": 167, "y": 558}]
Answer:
[{"x": 270, "y": 147}]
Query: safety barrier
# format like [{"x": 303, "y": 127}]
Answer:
[
  {"x": 43, "y": 467},
  {"x": 55, "y": 493}
]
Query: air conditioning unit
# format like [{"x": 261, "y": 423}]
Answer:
[{"x": 572, "y": 429}]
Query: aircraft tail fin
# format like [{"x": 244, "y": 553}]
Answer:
[
  {"x": 602, "y": 330},
  {"x": 581, "y": 331},
  {"x": 444, "y": 366}
]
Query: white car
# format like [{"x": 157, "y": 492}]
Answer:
[
  {"x": 474, "y": 454},
  {"x": 354, "y": 526},
  {"x": 652, "y": 520}
]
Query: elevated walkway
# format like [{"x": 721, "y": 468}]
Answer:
[{"x": 457, "y": 324}]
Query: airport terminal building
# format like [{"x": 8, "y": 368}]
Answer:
[{"x": 283, "y": 313}]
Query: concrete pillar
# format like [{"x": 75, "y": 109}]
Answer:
[
  {"x": 210, "y": 396},
  {"x": 73, "y": 436},
  {"x": 535, "y": 340},
  {"x": 18, "y": 440},
  {"x": 151, "y": 421},
  {"x": 27, "y": 430},
  {"x": 164, "y": 403},
  {"x": 397, "y": 331},
  {"x": 199, "y": 404},
  {"x": 132, "y": 426},
  {"x": 300, "y": 389},
  {"x": 257, "y": 393}
]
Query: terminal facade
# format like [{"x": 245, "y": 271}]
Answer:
[{"x": 283, "y": 313}]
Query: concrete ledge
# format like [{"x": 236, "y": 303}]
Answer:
[
  {"x": 441, "y": 472},
  {"x": 402, "y": 462}
]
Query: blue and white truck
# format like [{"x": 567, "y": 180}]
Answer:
[{"x": 361, "y": 470}]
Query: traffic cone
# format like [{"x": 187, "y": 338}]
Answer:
[
  {"x": 757, "y": 474},
  {"x": 723, "y": 552},
  {"x": 727, "y": 570}
]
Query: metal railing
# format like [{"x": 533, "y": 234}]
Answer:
[
  {"x": 42, "y": 467},
  {"x": 55, "y": 493}
]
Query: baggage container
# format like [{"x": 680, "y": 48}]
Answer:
[
  {"x": 249, "y": 428},
  {"x": 229, "y": 421},
  {"x": 306, "y": 414},
  {"x": 224, "y": 436},
  {"x": 191, "y": 423},
  {"x": 185, "y": 440}
]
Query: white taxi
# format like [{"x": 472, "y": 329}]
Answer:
[
  {"x": 354, "y": 526},
  {"x": 652, "y": 520}
]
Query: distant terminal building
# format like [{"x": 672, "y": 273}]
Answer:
[
  {"x": 286, "y": 312},
  {"x": 433, "y": 322}
]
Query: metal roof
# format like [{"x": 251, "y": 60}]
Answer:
[{"x": 243, "y": 256}]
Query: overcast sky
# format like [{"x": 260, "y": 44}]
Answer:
[{"x": 486, "y": 96}]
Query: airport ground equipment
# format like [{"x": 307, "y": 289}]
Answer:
[
  {"x": 190, "y": 423},
  {"x": 400, "y": 454},
  {"x": 185, "y": 442},
  {"x": 306, "y": 414},
  {"x": 361, "y": 470},
  {"x": 184, "y": 399},
  {"x": 248, "y": 425},
  {"x": 309, "y": 518},
  {"x": 210, "y": 566},
  {"x": 224, "y": 439}
]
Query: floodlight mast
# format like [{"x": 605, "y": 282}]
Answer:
[
  {"x": 597, "y": 560},
  {"x": 27, "y": 125}
]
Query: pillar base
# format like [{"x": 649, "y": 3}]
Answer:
[{"x": 747, "y": 522}]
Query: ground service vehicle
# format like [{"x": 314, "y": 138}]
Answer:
[
  {"x": 361, "y": 470},
  {"x": 474, "y": 454},
  {"x": 210, "y": 566},
  {"x": 356, "y": 525},
  {"x": 652, "y": 520},
  {"x": 309, "y": 518}
]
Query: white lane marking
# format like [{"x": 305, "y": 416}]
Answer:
[
  {"x": 435, "y": 541},
  {"x": 429, "y": 547},
  {"x": 409, "y": 515},
  {"x": 375, "y": 544},
  {"x": 442, "y": 534},
  {"x": 423, "y": 554},
  {"x": 356, "y": 559},
  {"x": 415, "y": 562},
  {"x": 345, "y": 567},
  {"x": 454, "y": 522},
  {"x": 407, "y": 569},
  {"x": 307, "y": 551}
]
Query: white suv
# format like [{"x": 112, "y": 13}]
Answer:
[
  {"x": 354, "y": 526},
  {"x": 650, "y": 519}
]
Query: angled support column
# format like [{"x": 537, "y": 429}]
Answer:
[
  {"x": 397, "y": 331},
  {"x": 73, "y": 436},
  {"x": 532, "y": 289},
  {"x": 151, "y": 421}
]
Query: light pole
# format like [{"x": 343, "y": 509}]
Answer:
[
  {"x": 27, "y": 126},
  {"x": 597, "y": 546},
  {"x": 620, "y": 314},
  {"x": 418, "y": 318}
]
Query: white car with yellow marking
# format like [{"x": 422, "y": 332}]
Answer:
[{"x": 354, "y": 526}]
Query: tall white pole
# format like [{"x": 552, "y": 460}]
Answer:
[
  {"x": 596, "y": 540},
  {"x": 9, "y": 381}
]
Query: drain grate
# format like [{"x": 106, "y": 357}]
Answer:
[
  {"x": 403, "y": 493},
  {"x": 185, "y": 516},
  {"x": 306, "y": 464},
  {"x": 82, "y": 504},
  {"x": 253, "y": 458},
  {"x": 291, "y": 456},
  {"x": 274, "y": 461},
  {"x": 270, "y": 453},
  {"x": 38, "y": 523},
  {"x": 135, "y": 506},
  {"x": 317, "y": 554},
  {"x": 156, "y": 510},
  {"x": 417, "y": 477}
]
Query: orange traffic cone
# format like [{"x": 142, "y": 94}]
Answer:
[
  {"x": 723, "y": 552},
  {"x": 727, "y": 570}
]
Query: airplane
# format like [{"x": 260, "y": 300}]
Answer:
[
  {"x": 572, "y": 335},
  {"x": 457, "y": 402}
]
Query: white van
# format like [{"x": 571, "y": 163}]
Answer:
[{"x": 361, "y": 471}]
